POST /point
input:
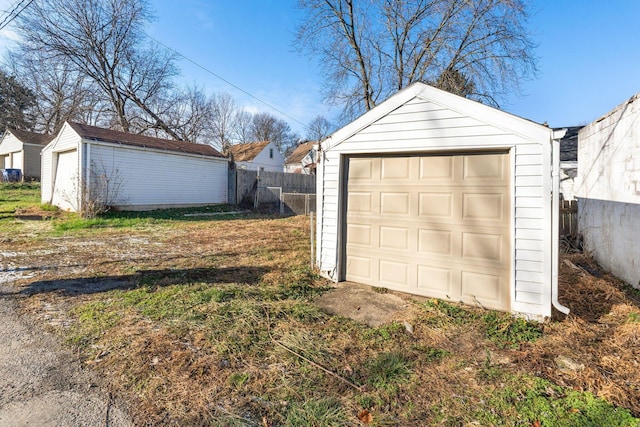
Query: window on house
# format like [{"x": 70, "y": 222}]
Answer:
[{"x": 271, "y": 153}]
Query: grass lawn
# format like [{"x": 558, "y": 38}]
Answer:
[{"x": 210, "y": 320}]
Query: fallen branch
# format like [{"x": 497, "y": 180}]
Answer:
[{"x": 295, "y": 353}]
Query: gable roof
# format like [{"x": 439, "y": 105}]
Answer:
[
  {"x": 124, "y": 138},
  {"x": 301, "y": 150},
  {"x": 497, "y": 118},
  {"x": 247, "y": 152},
  {"x": 31, "y": 137}
]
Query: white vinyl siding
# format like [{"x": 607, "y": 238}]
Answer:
[
  {"x": 435, "y": 122},
  {"x": 152, "y": 179}
]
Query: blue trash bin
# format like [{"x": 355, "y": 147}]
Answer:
[{"x": 12, "y": 175}]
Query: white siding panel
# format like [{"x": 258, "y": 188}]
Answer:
[
  {"x": 527, "y": 170},
  {"x": 530, "y": 213},
  {"x": 531, "y": 255},
  {"x": 421, "y": 125},
  {"x": 528, "y": 159},
  {"x": 428, "y": 142},
  {"x": 529, "y": 202},
  {"x": 529, "y": 181},
  {"x": 523, "y": 233},
  {"x": 528, "y": 297},
  {"x": 149, "y": 178},
  {"x": 531, "y": 287},
  {"x": 529, "y": 244},
  {"x": 529, "y": 276},
  {"x": 532, "y": 224},
  {"x": 529, "y": 266},
  {"x": 524, "y": 149},
  {"x": 459, "y": 132}
]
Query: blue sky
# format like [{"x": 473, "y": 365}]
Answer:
[{"x": 589, "y": 56}]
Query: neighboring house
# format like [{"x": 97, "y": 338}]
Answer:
[
  {"x": 20, "y": 149},
  {"x": 257, "y": 156},
  {"x": 608, "y": 190},
  {"x": 303, "y": 159},
  {"x": 434, "y": 194},
  {"x": 133, "y": 172},
  {"x": 568, "y": 161}
]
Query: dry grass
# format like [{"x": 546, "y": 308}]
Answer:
[{"x": 204, "y": 322}]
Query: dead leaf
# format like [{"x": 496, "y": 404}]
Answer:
[
  {"x": 536, "y": 424},
  {"x": 365, "y": 416},
  {"x": 265, "y": 422}
]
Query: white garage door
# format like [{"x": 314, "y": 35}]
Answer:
[
  {"x": 436, "y": 226},
  {"x": 17, "y": 161},
  {"x": 66, "y": 180}
]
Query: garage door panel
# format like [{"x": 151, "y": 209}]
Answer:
[
  {"x": 394, "y": 273},
  {"x": 486, "y": 288},
  {"x": 479, "y": 206},
  {"x": 360, "y": 169},
  {"x": 359, "y": 269},
  {"x": 436, "y": 168},
  {"x": 435, "y": 205},
  {"x": 394, "y": 203},
  {"x": 435, "y": 242},
  {"x": 485, "y": 169},
  {"x": 436, "y": 226},
  {"x": 487, "y": 247},
  {"x": 436, "y": 282},
  {"x": 394, "y": 168},
  {"x": 394, "y": 238},
  {"x": 360, "y": 202},
  {"x": 358, "y": 234}
]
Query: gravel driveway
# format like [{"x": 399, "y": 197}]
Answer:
[{"x": 41, "y": 383}]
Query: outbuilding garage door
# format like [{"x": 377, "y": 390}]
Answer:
[
  {"x": 435, "y": 225},
  {"x": 66, "y": 180}
]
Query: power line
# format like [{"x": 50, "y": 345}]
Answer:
[
  {"x": 202, "y": 67},
  {"x": 10, "y": 16}
]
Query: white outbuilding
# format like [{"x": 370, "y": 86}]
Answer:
[
  {"x": 128, "y": 171},
  {"x": 20, "y": 149},
  {"x": 437, "y": 195}
]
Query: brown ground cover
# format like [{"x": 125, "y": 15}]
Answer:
[{"x": 212, "y": 322}]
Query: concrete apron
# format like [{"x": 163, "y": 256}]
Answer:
[{"x": 363, "y": 304}]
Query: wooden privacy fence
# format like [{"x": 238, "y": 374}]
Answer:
[
  {"x": 568, "y": 218},
  {"x": 256, "y": 189}
]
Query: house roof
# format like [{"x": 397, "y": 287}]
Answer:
[
  {"x": 124, "y": 138},
  {"x": 569, "y": 144},
  {"x": 31, "y": 137},
  {"x": 247, "y": 152},
  {"x": 301, "y": 150}
]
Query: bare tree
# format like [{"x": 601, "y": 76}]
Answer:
[
  {"x": 61, "y": 93},
  {"x": 242, "y": 127},
  {"x": 104, "y": 39},
  {"x": 370, "y": 50},
  {"x": 190, "y": 113},
  {"x": 224, "y": 121},
  {"x": 267, "y": 127},
  {"x": 16, "y": 104},
  {"x": 318, "y": 129}
]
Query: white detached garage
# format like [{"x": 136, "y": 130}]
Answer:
[
  {"x": 436, "y": 195},
  {"x": 131, "y": 172}
]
